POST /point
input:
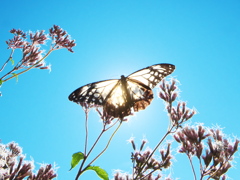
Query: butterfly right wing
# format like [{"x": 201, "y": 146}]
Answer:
[
  {"x": 94, "y": 93},
  {"x": 152, "y": 75}
]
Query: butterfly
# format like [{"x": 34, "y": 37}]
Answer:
[{"x": 122, "y": 97}]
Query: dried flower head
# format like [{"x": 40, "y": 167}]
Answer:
[
  {"x": 33, "y": 56},
  {"x": 169, "y": 91},
  {"x": 145, "y": 166},
  {"x": 13, "y": 165},
  {"x": 61, "y": 38},
  {"x": 210, "y": 146}
]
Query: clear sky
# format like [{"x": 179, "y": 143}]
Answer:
[{"x": 201, "y": 38}]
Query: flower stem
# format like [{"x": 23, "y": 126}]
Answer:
[
  {"x": 26, "y": 69},
  {"x": 194, "y": 173}
]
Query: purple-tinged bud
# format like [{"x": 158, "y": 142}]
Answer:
[
  {"x": 133, "y": 144},
  {"x": 199, "y": 150},
  {"x": 182, "y": 137},
  {"x": 143, "y": 143},
  {"x": 173, "y": 97},
  {"x": 169, "y": 109},
  {"x": 235, "y": 148},
  {"x": 183, "y": 107},
  {"x": 39, "y": 65},
  {"x": 176, "y": 137},
  {"x": 182, "y": 150},
  {"x": 45, "y": 67},
  {"x": 210, "y": 145},
  {"x": 224, "y": 177},
  {"x": 162, "y": 96},
  {"x": 163, "y": 85},
  {"x": 219, "y": 135},
  {"x": 168, "y": 149},
  {"x": 162, "y": 154},
  {"x": 168, "y": 88},
  {"x": 12, "y": 31},
  {"x": 173, "y": 87},
  {"x": 178, "y": 107},
  {"x": 190, "y": 115},
  {"x": 174, "y": 111},
  {"x": 167, "y": 97},
  {"x": 185, "y": 115},
  {"x": 200, "y": 132},
  {"x": 207, "y": 158},
  {"x": 174, "y": 115},
  {"x": 206, "y": 135}
]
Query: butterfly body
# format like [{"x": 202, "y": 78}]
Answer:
[{"x": 121, "y": 97}]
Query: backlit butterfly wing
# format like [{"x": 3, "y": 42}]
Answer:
[
  {"x": 94, "y": 94},
  {"x": 142, "y": 81},
  {"x": 152, "y": 75},
  {"x": 119, "y": 96}
]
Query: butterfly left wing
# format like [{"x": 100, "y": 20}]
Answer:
[{"x": 94, "y": 93}]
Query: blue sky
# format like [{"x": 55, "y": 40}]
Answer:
[{"x": 201, "y": 38}]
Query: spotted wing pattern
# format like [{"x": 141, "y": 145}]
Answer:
[
  {"x": 95, "y": 93},
  {"x": 152, "y": 75},
  {"x": 120, "y": 97}
]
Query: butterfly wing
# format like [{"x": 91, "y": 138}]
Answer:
[
  {"x": 94, "y": 94},
  {"x": 141, "y": 95},
  {"x": 152, "y": 75}
]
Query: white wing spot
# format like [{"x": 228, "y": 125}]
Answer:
[
  {"x": 96, "y": 95},
  {"x": 151, "y": 78}
]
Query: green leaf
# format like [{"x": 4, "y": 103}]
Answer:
[
  {"x": 12, "y": 61},
  {"x": 1, "y": 82},
  {"x": 100, "y": 172},
  {"x": 14, "y": 74},
  {"x": 76, "y": 158}
]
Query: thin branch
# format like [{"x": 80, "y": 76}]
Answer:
[
  {"x": 194, "y": 173},
  {"x": 80, "y": 171},
  {"x": 148, "y": 174},
  {"x": 86, "y": 128},
  {"x": 107, "y": 143},
  {"x": 85, "y": 158},
  {"x": 10, "y": 57}
]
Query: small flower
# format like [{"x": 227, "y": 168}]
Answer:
[
  {"x": 144, "y": 141},
  {"x": 131, "y": 140},
  {"x": 61, "y": 39},
  {"x": 38, "y": 38}
]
